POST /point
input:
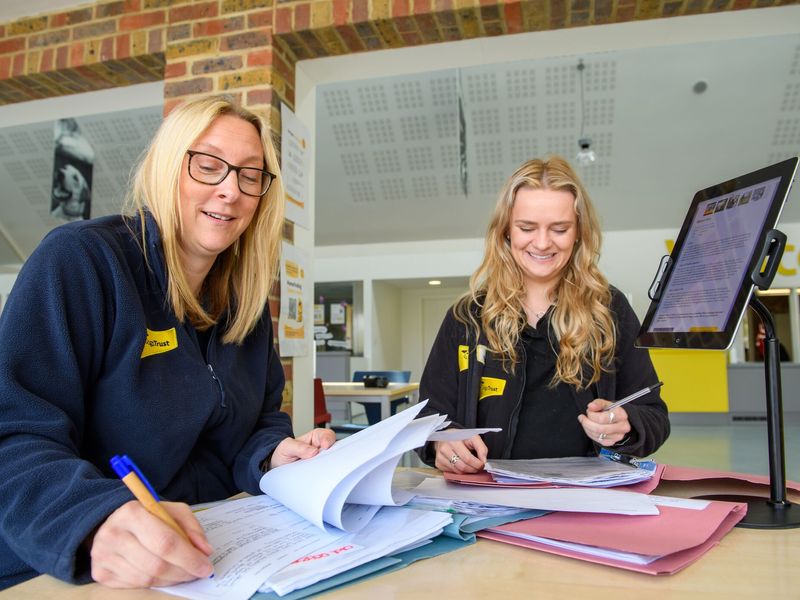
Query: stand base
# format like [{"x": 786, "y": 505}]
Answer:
[{"x": 763, "y": 514}]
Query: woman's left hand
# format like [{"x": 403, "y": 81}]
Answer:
[
  {"x": 605, "y": 428},
  {"x": 305, "y": 446}
]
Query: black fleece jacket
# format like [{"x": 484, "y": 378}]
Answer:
[{"x": 466, "y": 381}]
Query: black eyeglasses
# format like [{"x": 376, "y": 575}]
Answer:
[{"x": 211, "y": 170}]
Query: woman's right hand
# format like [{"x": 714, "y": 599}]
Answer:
[
  {"x": 471, "y": 455},
  {"x": 135, "y": 549}
]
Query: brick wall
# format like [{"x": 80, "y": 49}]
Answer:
[{"x": 249, "y": 47}]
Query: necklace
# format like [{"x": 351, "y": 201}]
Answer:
[{"x": 539, "y": 313}]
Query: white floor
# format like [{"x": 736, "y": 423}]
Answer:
[{"x": 739, "y": 446}]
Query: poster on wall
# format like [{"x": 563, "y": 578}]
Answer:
[
  {"x": 291, "y": 331},
  {"x": 295, "y": 166},
  {"x": 71, "y": 194},
  {"x": 337, "y": 314},
  {"x": 319, "y": 314}
]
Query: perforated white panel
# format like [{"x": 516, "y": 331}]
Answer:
[
  {"x": 389, "y": 153},
  {"x": 26, "y": 171}
]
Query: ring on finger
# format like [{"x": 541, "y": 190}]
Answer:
[
  {"x": 611, "y": 417},
  {"x": 454, "y": 459},
  {"x": 601, "y": 437}
]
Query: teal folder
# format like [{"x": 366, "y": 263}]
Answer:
[
  {"x": 439, "y": 545},
  {"x": 455, "y": 536}
]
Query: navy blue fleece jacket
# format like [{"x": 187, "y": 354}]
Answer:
[{"x": 93, "y": 363}]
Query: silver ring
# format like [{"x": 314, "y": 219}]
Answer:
[
  {"x": 454, "y": 459},
  {"x": 601, "y": 437},
  {"x": 611, "y": 417}
]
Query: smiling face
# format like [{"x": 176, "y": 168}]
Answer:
[
  {"x": 543, "y": 231},
  {"x": 214, "y": 216}
]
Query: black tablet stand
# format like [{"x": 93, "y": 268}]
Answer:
[{"x": 777, "y": 512}]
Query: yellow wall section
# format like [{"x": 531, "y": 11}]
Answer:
[{"x": 694, "y": 380}]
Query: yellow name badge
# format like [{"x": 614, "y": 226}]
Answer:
[
  {"x": 158, "y": 342},
  {"x": 491, "y": 386},
  {"x": 463, "y": 358}
]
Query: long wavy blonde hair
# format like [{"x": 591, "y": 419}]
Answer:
[
  {"x": 239, "y": 282},
  {"x": 581, "y": 318}
]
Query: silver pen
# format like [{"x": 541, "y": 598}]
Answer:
[{"x": 633, "y": 396}]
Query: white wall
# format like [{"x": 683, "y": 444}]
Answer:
[
  {"x": 386, "y": 327},
  {"x": 422, "y": 311}
]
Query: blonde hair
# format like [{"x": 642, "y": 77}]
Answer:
[
  {"x": 581, "y": 318},
  {"x": 240, "y": 280}
]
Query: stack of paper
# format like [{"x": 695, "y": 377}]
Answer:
[
  {"x": 657, "y": 545},
  {"x": 392, "y": 530},
  {"x": 485, "y": 479},
  {"x": 588, "y": 471},
  {"x": 562, "y": 499},
  {"x": 464, "y": 507},
  {"x": 356, "y": 470},
  {"x": 320, "y": 516},
  {"x": 252, "y": 539}
]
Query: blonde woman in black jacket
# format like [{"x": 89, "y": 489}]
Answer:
[{"x": 541, "y": 343}]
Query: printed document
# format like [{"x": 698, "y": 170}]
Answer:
[
  {"x": 252, "y": 539},
  {"x": 589, "y": 471},
  {"x": 311, "y": 506},
  {"x": 589, "y": 500},
  {"x": 392, "y": 530},
  {"x": 357, "y": 469}
]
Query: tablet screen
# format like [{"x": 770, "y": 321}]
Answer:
[{"x": 708, "y": 286}]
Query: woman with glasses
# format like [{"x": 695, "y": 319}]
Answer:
[
  {"x": 541, "y": 344},
  {"x": 147, "y": 334}
]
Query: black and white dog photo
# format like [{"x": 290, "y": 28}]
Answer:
[{"x": 71, "y": 196}]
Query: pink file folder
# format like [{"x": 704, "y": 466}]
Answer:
[
  {"x": 676, "y": 473},
  {"x": 485, "y": 479},
  {"x": 679, "y": 535}
]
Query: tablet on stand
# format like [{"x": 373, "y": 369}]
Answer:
[{"x": 727, "y": 246}]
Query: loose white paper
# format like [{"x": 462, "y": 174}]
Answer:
[
  {"x": 595, "y": 500},
  {"x": 356, "y": 470},
  {"x": 391, "y": 530},
  {"x": 454, "y": 435},
  {"x": 252, "y": 539}
]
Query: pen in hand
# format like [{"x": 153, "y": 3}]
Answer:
[
  {"x": 633, "y": 396},
  {"x": 136, "y": 482}
]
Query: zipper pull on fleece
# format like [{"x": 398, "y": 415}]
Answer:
[{"x": 219, "y": 383}]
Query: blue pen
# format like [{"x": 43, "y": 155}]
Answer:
[
  {"x": 137, "y": 483},
  {"x": 631, "y": 461},
  {"x": 617, "y": 457}
]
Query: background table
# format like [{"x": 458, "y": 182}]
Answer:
[{"x": 348, "y": 392}]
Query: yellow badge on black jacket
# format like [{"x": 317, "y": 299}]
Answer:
[
  {"x": 491, "y": 386},
  {"x": 158, "y": 342}
]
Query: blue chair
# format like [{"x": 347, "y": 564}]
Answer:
[{"x": 372, "y": 410}]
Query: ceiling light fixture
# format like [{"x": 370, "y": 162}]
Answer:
[{"x": 585, "y": 155}]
